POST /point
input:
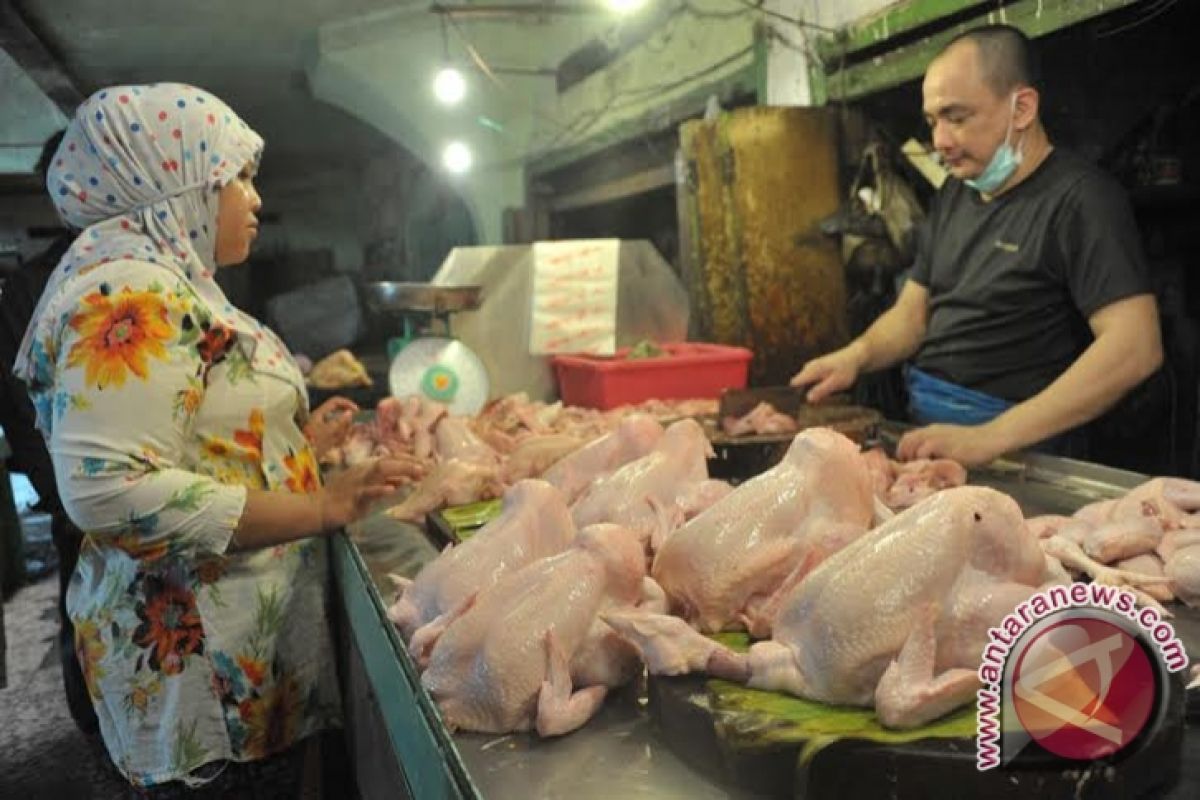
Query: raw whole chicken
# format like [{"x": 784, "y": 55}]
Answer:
[
  {"x": 901, "y": 484},
  {"x": 401, "y": 426},
  {"x": 650, "y": 496},
  {"x": 454, "y": 483},
  {"x": 634, "y": 437},
  {"x": 916, "y": 480},
  {"x": 881, "y": 469},
  {"x": 537, "y": 453},
  {"x": 339, "y": 370},
  {"x": 1151, "y": 535},
  {"x": 896, "y": 619},
  {"x": 722, "y": 569},
  {"x": 454, "y": 439},
  {"x": 468, "y": 470},
  {"x": 407, "y": 424},
  {"x": 530, "y": 652},
  {"x": 534, "y": 523}
]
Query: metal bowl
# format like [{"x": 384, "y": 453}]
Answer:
[{"x": 400, "y": 296}]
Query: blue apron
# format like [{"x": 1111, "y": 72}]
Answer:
[{"x": 932, "y": 400}]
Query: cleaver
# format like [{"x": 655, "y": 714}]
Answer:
[{"x": 739, "y": 402}]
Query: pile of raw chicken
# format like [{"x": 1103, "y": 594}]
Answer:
[
  {"x": 864, "y": 581},
  {"x": 478, "y": 458}
]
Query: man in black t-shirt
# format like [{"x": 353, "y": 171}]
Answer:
[{"x": 1028, "y": 311}]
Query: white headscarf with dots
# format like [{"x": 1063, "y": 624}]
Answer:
[{"x": 138, "y": 173}]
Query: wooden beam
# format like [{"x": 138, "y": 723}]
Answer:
[
  {"x": 32, "y": 55},
  {"x": 638, "y": 183}
]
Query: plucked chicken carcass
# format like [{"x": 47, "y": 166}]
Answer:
[
  {"x": 762, "y": 419},
  {"x": 407, "y": 424},
  {"x": 896, "y": 619},
  {"x": 1148, "y": 540},
  {"x": 633, "y": 438},
  {"x": 722, "y": 569},
  {"x": 401, "y": 426},
  {"x": 652, "y": 495},
  {"x": 454, "y": 439},
  {"x": 534, "y": 523},
  {"x": 530, "y": 652},
  {"x": 915, "y": 480},
  {"x": 468, "y": 471},
  {"x": 339, "y": 370},
  {"x": 537, "y": 453},
  {"x": 900, "y": 484},
  {"x": 456, "y": 482}
]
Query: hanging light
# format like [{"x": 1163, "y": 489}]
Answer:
[
  {"x": 625, "y": 6},
  {"x": 449, "y": 86},
  {"x": 457, "y": 158}
]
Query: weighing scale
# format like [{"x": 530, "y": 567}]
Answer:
[{"x": 425, "y": 361}]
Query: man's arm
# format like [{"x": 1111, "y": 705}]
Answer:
[
  {"x": 892, "y": 338},
  {"x": 1127, "y": 350}
]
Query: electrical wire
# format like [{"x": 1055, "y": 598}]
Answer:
[
  {"x": 628, "y": 98},
  {"x": 1156, "y": 9},
  {"x": 758, "y": 6},
  {"x": 754, "y": 6},
  {"x": 620, "y": 100},
  {"x": 700, "y": 13},
  {"x": 482, "y": 64}
]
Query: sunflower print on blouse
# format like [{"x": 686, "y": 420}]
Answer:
[
  {"x": 119, "y": 336},
  {"x": 191, "y": 651}
]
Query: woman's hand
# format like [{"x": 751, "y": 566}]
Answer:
[
  {"x": 329, "y": 424},
  {"x": 349, "y": 494}
]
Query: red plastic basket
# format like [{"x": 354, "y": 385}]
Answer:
[{"x": 693, "y": 369}]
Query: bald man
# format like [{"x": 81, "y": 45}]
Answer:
[{"x": 1028, "y": 311}]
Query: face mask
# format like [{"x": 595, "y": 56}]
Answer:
[{"x": 1003, "y": 164}]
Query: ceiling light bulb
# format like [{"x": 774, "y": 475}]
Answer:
[
  {"x": 449, "y": 86},
  {"x": 456, "y": 158},
  {"x": 625, "y": 6}
]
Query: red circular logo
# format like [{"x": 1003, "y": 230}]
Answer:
[{"x": 1084, "y": 688}]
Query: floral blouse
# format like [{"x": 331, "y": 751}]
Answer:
[{"x": 159, "y": 419}]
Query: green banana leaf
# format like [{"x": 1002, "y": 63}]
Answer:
[
  {"x": 753, "y": 719},
  {"x": 465, "y": 520}
]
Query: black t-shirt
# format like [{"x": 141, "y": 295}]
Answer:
[{"x": 1012, "y": 281}]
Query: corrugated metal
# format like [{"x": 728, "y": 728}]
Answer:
[{"x": 756, "y": 184}]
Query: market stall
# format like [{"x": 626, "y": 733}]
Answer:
[{"x": 668, "y": 739}]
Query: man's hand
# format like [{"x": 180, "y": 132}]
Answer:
[
  {"x": 970, "y": 446},
  {"x": 831, "y": 373}
]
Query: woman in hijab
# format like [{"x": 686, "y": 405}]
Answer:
[{"x": 176, "y": 424}]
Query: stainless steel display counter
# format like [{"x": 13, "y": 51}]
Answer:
[{"x": 399, "y": 744}]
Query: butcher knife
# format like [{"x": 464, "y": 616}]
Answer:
[{"x": 784, "y": 399}]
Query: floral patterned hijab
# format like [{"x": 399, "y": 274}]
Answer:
[{"x": 138, "y": 173}]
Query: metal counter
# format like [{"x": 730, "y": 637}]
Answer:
[
  {"x": 615, "y": 755},
  {"x": 400, "y": 746}
]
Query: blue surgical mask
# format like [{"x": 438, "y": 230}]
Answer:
[{"x": 1004, "y": 161}]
